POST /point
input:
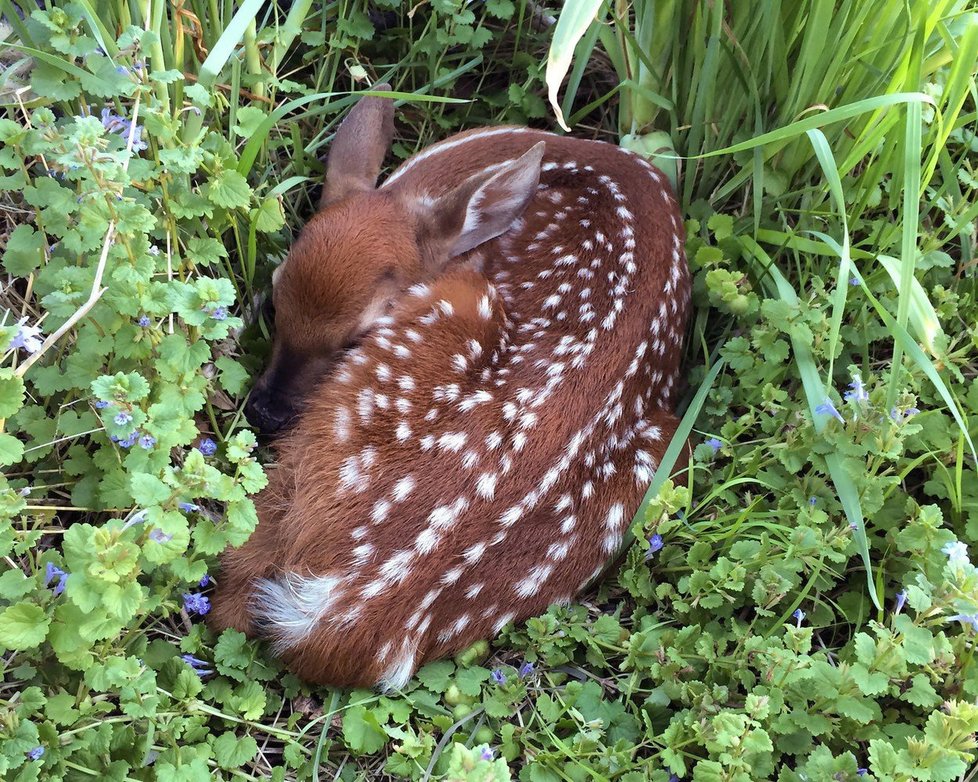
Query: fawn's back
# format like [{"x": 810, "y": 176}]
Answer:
[{"x": 478, "y": 453}]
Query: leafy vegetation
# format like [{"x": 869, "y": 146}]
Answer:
[{"x": 803, "y": 608}]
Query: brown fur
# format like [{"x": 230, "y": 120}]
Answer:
[{"x": 571, "y": 446}]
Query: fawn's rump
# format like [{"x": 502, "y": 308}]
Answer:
[{"x": 481, "y": 454}]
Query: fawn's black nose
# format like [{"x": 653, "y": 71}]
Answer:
[{"x": 269, "y": 415}]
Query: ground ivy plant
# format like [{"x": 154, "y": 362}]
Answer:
[{"x": 145, "y": 198}]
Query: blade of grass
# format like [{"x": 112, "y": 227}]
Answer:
[
  {"x": 911, "y": 219},
  {"x": 676, "y": 446},
  {"x": 827, "y": 162},
  {"x": 574, "y": 20},
  {"x": 923, "y": 316}
]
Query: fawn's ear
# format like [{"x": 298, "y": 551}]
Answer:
[
  {"x": 358, "y": 149},
  {"x": 481, "y": 208}
]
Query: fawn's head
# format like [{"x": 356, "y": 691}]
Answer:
[{"x": 365, "y": 247}]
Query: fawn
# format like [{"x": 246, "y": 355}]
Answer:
[{"x": 486, "y": 349}]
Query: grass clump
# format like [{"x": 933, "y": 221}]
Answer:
[{"x": 804, "y": 608}]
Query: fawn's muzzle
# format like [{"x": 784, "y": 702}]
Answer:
[{"x": 268, "y": 413}]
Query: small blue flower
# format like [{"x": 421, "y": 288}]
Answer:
[
  {"x": 188, "y": 507},
  {"x": 130, "y": 440},
  {"x": 122, "y": 418},
  {"x": 205, "y": 580},
  {"x": 827, "y": 408},
  {"x": 136, "y": 518},
  {"x": 486, "y": 753},
  {"x": 144, "y": 321},
  {"x": 159, "y": 536},
  {"x": 525, "y": 670},
  {"x": 854, "y": 281},
  {"x": 812, "y": 501},
  {"x": 101, "y": 404},
  {"x": 857, "y": 391},
  {"x": 900, "y": 416},
  {"x": 36, "y": 754},
  {"x": 51, "y": 572},
  {"x": 219, "y": 313},
  {"x": 196, "y": 604},
  {"x": 498, "y": 676},
  {"x": 901, "y": 600},
  {"x": 147, "y": 441},
  {"x": 966, "y": 620},
  {"x": 862, "y": 771},
  {"x": 655, "y": 545},
  {"x": 207, "y": 447},
  {"x": 799, "y": 616},
  {"x": 27, "y": 338},
  {"x": 673, "y": 778},
  {"x": 714, "y": 443},
  {"x": 199, "y": 666}
]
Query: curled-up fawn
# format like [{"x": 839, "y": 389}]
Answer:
[{"x": 480, "y": 358}]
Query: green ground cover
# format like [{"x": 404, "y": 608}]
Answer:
[{"x": 804, "y": 608}]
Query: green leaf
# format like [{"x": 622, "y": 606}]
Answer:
[
  {"x": 269, "y": 216},
  {"x": 11, "y": 449},
  {"x": 25, "y": 251},
  {"x": 362, "y": 732},
  {"x": 232, "y": 751},
  {"x": 149, "y": 490},
  {"x": 23, "y": 626},
  {"x": 11, "y": 392},
  {"x": 248, "y": 119},
  {"x": 229, "y": 190},
  {"x": 14, "y": 584},
  {"x": 233, "y": 376},
  {"x": 437, "y": 675}
]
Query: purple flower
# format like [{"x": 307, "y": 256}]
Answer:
[
  {"x": 147, "y": 441},
  {"x": 159, "y": 536},
  {"x": 116, "y": 123},
  {"x": 194, "y": 603},
  {"x": 130, "y": 440},
  {"x": 101, "y": 404},
  {"x": 27, "y": 338},
  {"x": 122, "y": 418},
  {"x": 655, "y": 544},
  {"x": 901, "y": 599},
  {"x": 714, "y": 443},
  {"x": 144, "y": 321},
  {"x": 673, "y": 778},
  {"x": 51, "y": 572},
  {"x": 205, "y": 580},
  {"x": 207, "y": 447},
  {"x": 857, "y": 391},
  {"x": 498, "y": 676},
  {"x": 199, "y": 666},
  {"x": 486, "y": 753},
  {"x": 36, "y": 754},
  {"x": 899, "y": 416},
  {"x": 827, "y": 408},
  {"x": 862, "y": 771},
  {"x": 812, "y": 501},
  {"x": 799, "y": 616},
  {"x": 219, "y": 313},
  {"x": 525, "y": 670},
  {"x": 853, "y": 281},
  {"x": 188, "y": 507}
]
